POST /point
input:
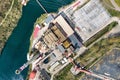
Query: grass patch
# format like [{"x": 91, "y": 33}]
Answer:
[
  {"x": 108, "y": 5},
  {"x": 107, "y": 2},
  {"x": 82, "y": 5},
  {"x": 63, "y": 73},
  {"x": 113, "y": 12},
  {"x": 41, "y": 19},
  {"x": 4, "y": 7},
  {"x": 118, "y": 2},
  {"x": 100, "y": 33}
]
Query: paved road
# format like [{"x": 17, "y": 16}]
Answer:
[
  {"x": 82, "y": 49},
  {"x": 115, "y": 5},
  {"x": 117, "y": 19},
  {"x": 112, "y": 31},
  {"x": 112, "y": 19}
]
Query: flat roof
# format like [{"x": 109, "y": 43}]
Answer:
[
  {"x": 54, "y": 66},
  {"x": 64, "y": 25},
  {"x": 45, "y": 74}
]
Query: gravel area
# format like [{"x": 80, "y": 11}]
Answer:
[{"x": 109, "y": 66}]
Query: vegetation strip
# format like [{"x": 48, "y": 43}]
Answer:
[
  {"x": 117, "y": 2},
  {"x": 99, "y": 49},
  {"x": 100, "y": 33}
]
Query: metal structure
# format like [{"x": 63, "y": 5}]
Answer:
[
  {"x": 18, "y": 71},
  {"x": 82, "y": 69},
  {"x": 36, "y": 56}
]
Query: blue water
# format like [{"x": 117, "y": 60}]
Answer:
[{"x": 15, "y": 51}]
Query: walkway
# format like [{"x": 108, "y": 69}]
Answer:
[
  {"x": 82, "y": 49},
  {"x": 115, "y": 5}
]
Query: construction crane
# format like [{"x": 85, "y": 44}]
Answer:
[{"x": 79, "y": 68}]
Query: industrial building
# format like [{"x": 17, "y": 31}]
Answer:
[
  {"x": 62, "y": 34},
  {"x": 89, "y": 19}
]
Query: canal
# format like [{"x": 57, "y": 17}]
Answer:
[{"x": 17, "y": 46}]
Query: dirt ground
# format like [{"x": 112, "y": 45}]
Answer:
[{"x": 109, "y": 66}]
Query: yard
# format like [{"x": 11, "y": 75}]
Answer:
[{"x": 90, "y": 57}]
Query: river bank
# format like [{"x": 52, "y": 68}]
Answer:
[
  {"x": 17, "y": 46},
  {"x": 9, "y": 22},
  {"x": 40, "y": 21}
]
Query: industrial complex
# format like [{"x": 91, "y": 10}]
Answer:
[{"x": 62, "y": 37}]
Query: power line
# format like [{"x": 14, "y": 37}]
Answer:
[{"x": 42, "y": 6}]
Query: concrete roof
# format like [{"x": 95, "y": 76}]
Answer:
[{"x": 64, "y": 25}]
